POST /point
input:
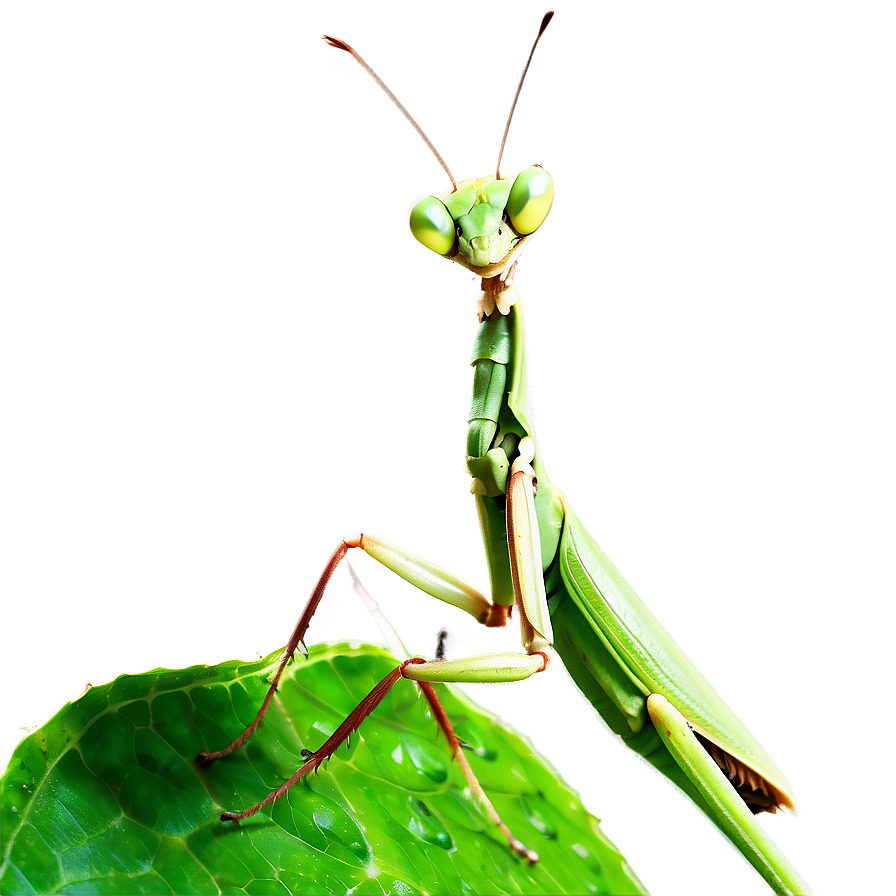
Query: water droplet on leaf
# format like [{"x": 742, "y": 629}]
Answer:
[{"x": 424, "y": 825}]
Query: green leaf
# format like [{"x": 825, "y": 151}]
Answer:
[{"x": 105, "y": 798}]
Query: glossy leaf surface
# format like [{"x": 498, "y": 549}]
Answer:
[{"x": 105, "y": 798}]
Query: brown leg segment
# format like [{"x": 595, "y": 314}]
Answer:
[
  {"x": 331, "y": 744},
  {"x": 445, "y": 724},
  {"x": 297, "y": 637}
]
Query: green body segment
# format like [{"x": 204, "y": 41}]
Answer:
[
  {"x": 487, "y": 458},
  {"x": 488, "y": 395},
  {"x": 495, "y": 427},
  {"x": 613, "y": 646}
]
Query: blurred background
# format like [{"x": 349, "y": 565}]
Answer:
[{"x": 221, "y": 351}]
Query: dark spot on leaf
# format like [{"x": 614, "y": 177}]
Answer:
[{"x": 150, "y": 763}]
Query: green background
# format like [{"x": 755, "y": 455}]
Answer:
[{"x": 194, "y": 193}]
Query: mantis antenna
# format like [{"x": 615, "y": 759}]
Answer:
[
  {"x": 342, "y": 45},
  {"x": 544, "y": 24}
]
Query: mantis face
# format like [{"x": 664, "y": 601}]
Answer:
[{"x": 484, "y": 221}]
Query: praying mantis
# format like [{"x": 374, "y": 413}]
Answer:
[{"x": 567, "y": 594}]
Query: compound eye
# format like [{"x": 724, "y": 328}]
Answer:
[
  {"x": 432, "y": 225},
  {"x": 530, "y": 199}
]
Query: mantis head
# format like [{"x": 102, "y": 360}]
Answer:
[{"x": 483, "y": 223}]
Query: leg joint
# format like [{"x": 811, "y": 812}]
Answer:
[{"x": 498, "y": 616}]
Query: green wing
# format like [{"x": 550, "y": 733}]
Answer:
[{"x": 648, "y": 661}]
